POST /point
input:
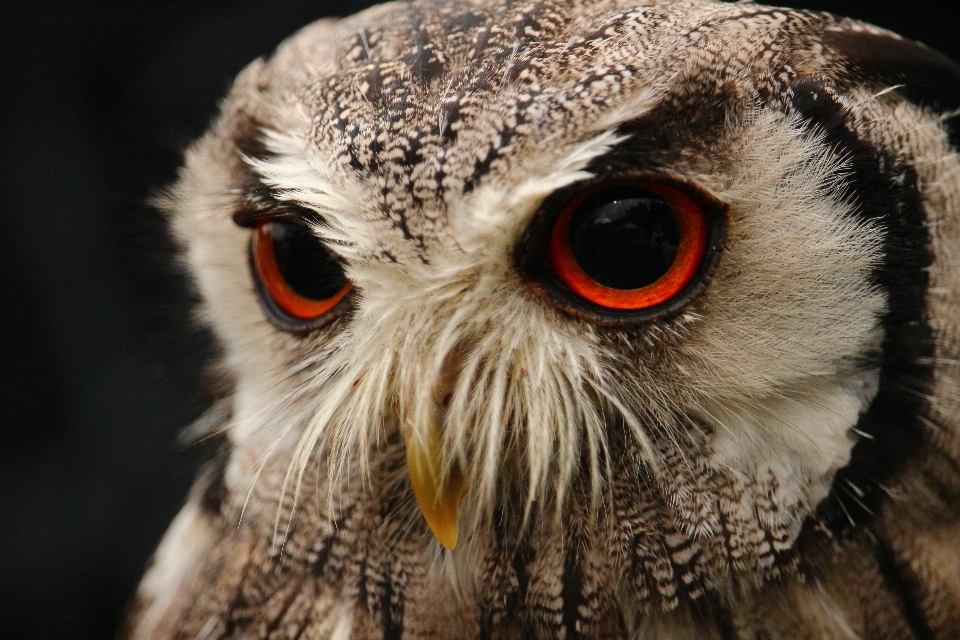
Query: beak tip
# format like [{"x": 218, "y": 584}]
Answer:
[
  {"x": 445, "y": 527},
  {"x": 438, "y": 494},
  {"x": 448, "y": 538}
]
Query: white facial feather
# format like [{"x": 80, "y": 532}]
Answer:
[{"x": 466, "y": 325}]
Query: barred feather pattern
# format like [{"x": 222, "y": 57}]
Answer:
[{"x": 778, "y": 459}]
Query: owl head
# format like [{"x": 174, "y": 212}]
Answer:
[
  {"x": 505, "y": 258},
  {"x": 575, "y": 320}
]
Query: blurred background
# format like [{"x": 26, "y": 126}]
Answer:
[{"x": 100, "y": 364}]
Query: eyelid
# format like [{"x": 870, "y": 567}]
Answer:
[
  {"x": 260, "y": 205},
  {"x": 253, "y": 219}
]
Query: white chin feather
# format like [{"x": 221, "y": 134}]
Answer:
[{"x": 803, "y": 437}]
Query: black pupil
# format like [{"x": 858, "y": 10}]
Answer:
[
  {"x": 304, "y": 262},
  {"x": 624, "y": 237}
]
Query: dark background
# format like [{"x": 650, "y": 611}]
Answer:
[{"x": 100, "y": 365}]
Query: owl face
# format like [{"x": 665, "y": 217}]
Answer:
[
  {"x": 592, "y": 258},
  {"x": 404, "y": 208}
]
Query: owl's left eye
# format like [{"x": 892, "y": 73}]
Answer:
[
  {"x": 629, "y": 247},
  {"x": 627, "y": 251},
  {"x": 299, "y": 280}
]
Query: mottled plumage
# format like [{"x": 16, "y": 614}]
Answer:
[{"x": 773, "y": 454}]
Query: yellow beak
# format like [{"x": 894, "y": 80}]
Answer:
[{"x": 438, "y": 489}]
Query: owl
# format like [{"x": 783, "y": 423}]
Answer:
[{"x": 586, "y": 319}]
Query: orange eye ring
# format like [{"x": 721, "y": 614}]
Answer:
[
  {"x": 283, "y": 295},
  {"x": 694, "y": 240}
]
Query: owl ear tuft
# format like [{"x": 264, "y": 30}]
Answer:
[{"x": 926, "y": 76}]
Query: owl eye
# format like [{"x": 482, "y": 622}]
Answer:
[
  {"x": 298, "y": 279},
  {"x": 629, "y": 247}
]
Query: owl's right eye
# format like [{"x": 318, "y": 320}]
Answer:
[{"x": 299, "y": 281}]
